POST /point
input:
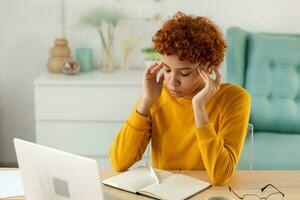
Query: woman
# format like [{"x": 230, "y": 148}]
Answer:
[{"x": 194, "y": 122}]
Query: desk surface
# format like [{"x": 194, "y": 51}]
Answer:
[{"x": 242, "y": 182}]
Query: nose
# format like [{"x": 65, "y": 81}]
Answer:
[{"x": 174, "y": 80}]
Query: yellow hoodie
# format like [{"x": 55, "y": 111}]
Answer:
[{"x": 178, "y": 144}]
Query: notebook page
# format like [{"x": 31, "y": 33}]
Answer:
[
  {"x": 135, "y": 179},
  {"x": 176, "y": 187}
]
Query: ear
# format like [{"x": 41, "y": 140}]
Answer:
[
  {"x": 206, "y": 68},
  {"x": 210, "y": 70}
]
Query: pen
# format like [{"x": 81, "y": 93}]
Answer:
[{"x": 154, "y": 175}]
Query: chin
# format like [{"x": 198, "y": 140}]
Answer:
[{"x": 177, "y": 95}]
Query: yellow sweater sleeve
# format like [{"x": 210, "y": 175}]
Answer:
[
  {"x": 130, "y": 143},
  {"x": 221, "y": 150}
]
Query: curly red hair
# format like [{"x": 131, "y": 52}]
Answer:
[{"x": 193, "y": 38}]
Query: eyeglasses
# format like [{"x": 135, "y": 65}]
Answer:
[{"x": 272, "y": 196}]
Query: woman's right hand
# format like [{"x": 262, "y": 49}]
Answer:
[{"x": 151, "y": 88}]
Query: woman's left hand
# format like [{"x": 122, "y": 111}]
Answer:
[{"x": 211, "y": 87}]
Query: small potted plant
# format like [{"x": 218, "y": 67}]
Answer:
[{"x": 150, "y": 56}]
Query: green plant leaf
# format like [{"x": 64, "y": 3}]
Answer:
[
  {"x": 100, "y": 14},
  {"x": 151, "y": 54}
]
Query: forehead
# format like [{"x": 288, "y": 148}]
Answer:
[{"x": 173, "y": 62}]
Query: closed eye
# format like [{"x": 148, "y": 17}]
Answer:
[
  {"x": 167, "y": 70},
  {"x": 185, "y": 74}
]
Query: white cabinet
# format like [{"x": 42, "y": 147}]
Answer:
[{"x": 82, "y": 114}]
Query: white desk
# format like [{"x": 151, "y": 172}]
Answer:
[{"x": 242, "y": 181}]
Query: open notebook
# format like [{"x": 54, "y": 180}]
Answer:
[{"x": 172, "y": 186}]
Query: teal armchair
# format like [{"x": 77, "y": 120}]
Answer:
[{"x": 268, "y": 66}]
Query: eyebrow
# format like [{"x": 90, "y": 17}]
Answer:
[{"x": 182, "y": 68}]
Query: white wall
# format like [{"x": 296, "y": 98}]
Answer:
[{"x": 28, "y": 29}]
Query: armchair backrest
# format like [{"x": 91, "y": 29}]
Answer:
[{"x": 268, "y": 66}]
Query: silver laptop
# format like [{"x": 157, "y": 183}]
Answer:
[{"x": 50, "y": 174}]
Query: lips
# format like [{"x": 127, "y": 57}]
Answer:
[{"x": 174, "y": 92}]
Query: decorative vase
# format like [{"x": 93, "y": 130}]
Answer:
[
  {"x": 108, "y": 63},
  {"x": 59, "y": 54},
  {"x": 107, "y": 49},
  {"x": 85, "y": 57},
  {"x": 107, "y": 38}
]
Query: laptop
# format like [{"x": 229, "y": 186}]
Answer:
[{"x": 51, "y": 174}]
